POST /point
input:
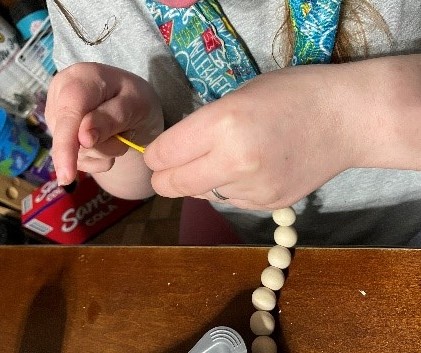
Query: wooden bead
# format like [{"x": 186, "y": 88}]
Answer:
[
  {"x": 279, "y": 256},
  {"x": 262, "y": 323},
  {"x": 273, "y": 278},
  {"x": 263, "y": 299},
  {"x": 285, "y": 236},
  {"x": 263, "y": 344},
  {"x": 284, "y": 216}
]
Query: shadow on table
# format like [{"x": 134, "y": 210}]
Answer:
[
  {"x": 236, "y": 315},
  {"x": 44, "y": 329}
]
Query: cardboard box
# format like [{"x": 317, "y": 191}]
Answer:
[
  {"x": 13, "y": 190},
  {"x": 72, "y": 218}
]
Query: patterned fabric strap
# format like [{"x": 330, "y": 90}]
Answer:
[
  {"x": 315, "y": 23},
  {"x": 206, "y": 46}
]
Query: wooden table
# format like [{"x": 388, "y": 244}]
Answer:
[{"x": 92, "y": 299}]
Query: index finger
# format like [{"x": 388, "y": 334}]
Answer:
[
  {"x": 189, "y": 139},
  {"x": 72, "y": 94}
]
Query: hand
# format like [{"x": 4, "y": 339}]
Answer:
[
  {"x": 87, "y": 104},
  {"x": 279, "y": 137}
]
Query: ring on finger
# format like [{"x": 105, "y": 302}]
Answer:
[{"x": 218, "y": 195}]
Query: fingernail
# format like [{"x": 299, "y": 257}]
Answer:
[
  {"x": 70, "y": 187},
  {"x": 61, "y": 178}
]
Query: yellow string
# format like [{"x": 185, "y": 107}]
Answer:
[{"x": 141, "y": 149}]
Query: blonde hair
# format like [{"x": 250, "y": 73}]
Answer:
[{"x": 356, "y": 18}]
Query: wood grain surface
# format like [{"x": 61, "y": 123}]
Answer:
[{"x": 95, "y": 299}]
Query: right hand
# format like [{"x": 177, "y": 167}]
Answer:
[
  {"x": 89, "y": 103},
  {"x": 287, "y": 132}
]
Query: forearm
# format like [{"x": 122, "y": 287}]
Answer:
[{"x": 384, "y": 109}]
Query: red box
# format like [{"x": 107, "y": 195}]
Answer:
[{"x": 72, "y": 218}]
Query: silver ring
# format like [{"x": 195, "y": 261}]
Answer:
[{"x": 218, "y": 195}]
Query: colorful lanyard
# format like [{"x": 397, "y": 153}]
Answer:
[
  {"x": 206, "y": 46},
  {"x": 315, "y": 23},
  {"x": 211, "y": 54}
]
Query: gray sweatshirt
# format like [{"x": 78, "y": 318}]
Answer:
[{"x": 365, "y": 207}]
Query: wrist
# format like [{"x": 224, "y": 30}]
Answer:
[{"x": 396, "y": 110}]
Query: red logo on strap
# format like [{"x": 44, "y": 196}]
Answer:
[{"x": 210, "y": 40}]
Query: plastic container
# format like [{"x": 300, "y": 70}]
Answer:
[
  {"x": 18, "y": 147},
  {"x": 15, "y": 83},
  {"x": 9, "y": 45},
  {"x": 28, "y": 17}
]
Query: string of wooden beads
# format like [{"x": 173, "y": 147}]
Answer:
[{"x": 262, "y": 322}]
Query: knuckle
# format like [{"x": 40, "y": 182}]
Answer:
[
  {"x": 167, "y": 184},
  {"x": 243, "y": 160},
  {"x": 247, "y": 161},
  {"x": 158, "y": 184},
  {"x": 78, "y": 69},
  {"x": 245, "y": 157},
  {"x": 155, "y": 156},
  {"x": 68, "y": 112},
  {"x": 227, "y": 122},
  {"x": 176, "y": 183}
]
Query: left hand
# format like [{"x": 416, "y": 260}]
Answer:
[{"x": 87, "y": 104}]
